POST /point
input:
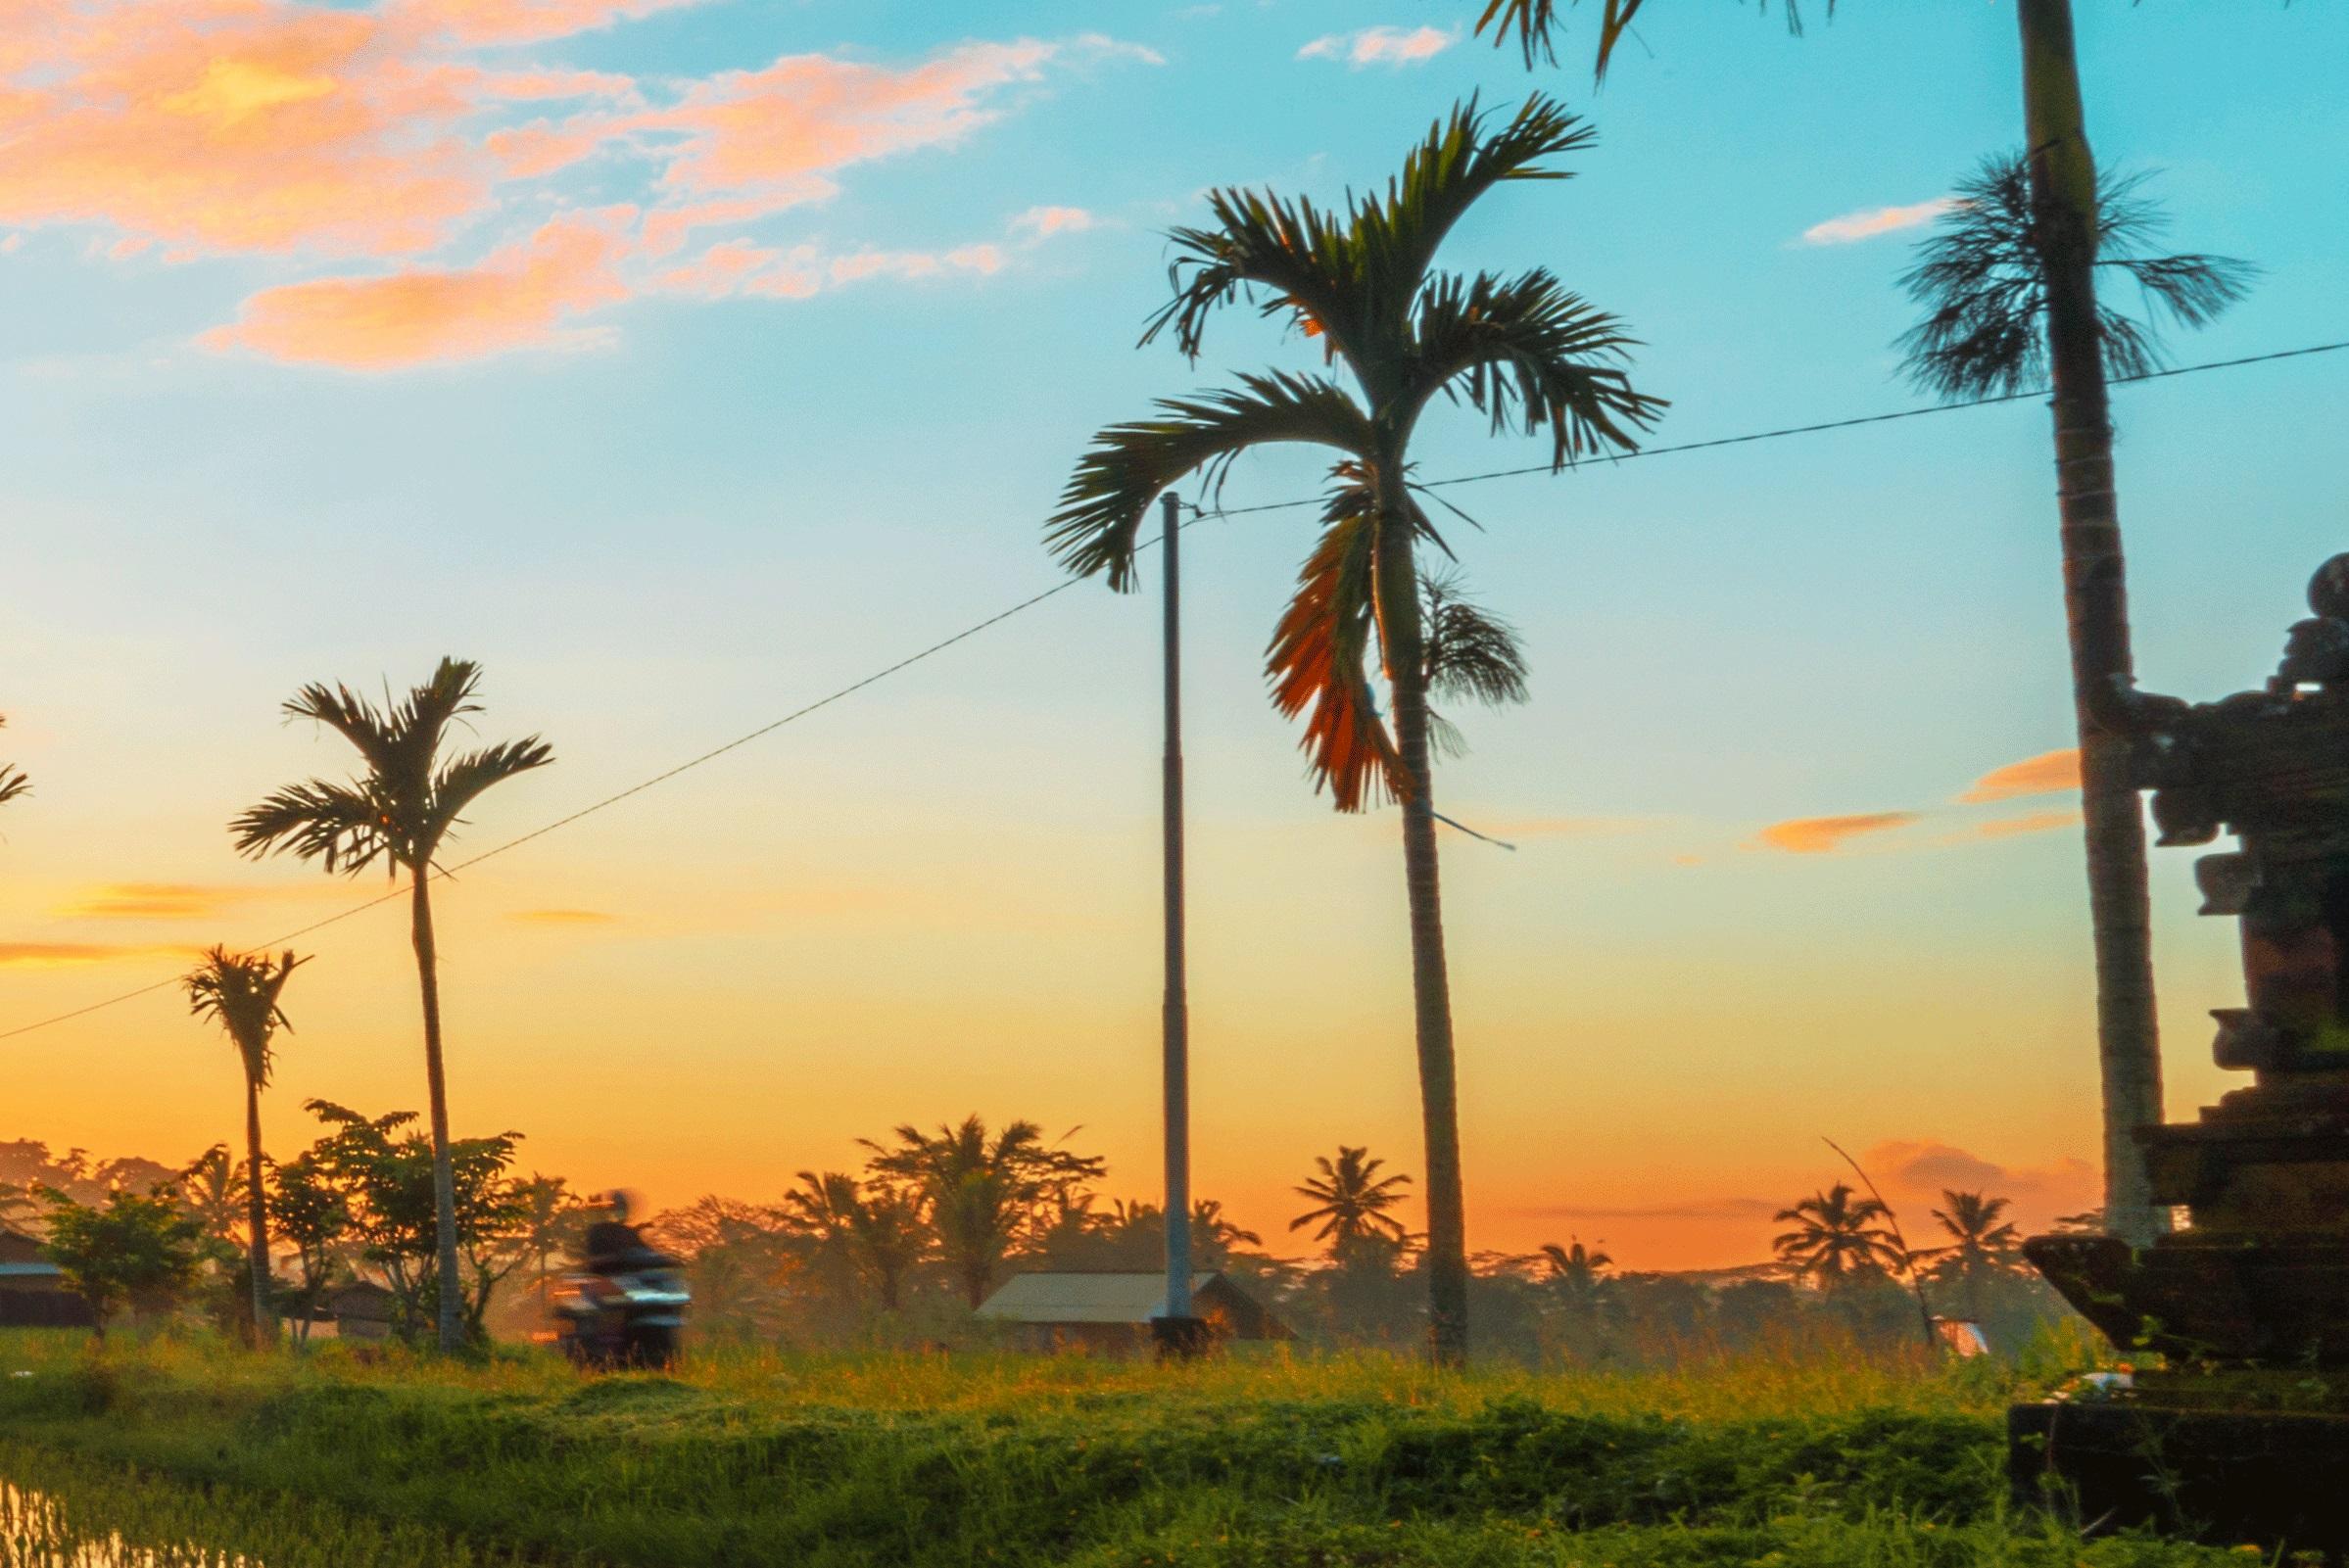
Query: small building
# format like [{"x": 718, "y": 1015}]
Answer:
[
  {"x": 1110, "y": 1313},
  {"x": 32, "y": 1289},
  {"x": 361, "y": 1311}
]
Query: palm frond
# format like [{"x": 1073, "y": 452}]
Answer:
[
  {"x": 1317, "y": 659},
  {"x": 461, "y": 779},
  {"x": 1533, "y": 26},
  {"x": 1128, "y": 465},
  {"x": 241, "y": 993},
  {"x": 13, "y": 783},
  {"x": 1981, "y": 279},
  {"x": 1396, "y": 235},
  {"x": 352, "y": 717},
  {"x": 345, "y": 827},
  {"x": 1469, "y": 651},
  {"x": 1527, "y": 350},
  {"x": 1290, "y": 257}
]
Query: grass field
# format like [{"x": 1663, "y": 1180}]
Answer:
[{"x": 856, "y": 1463}]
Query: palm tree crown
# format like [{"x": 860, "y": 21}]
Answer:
[
  {"x": 240, "y": 993},
  {"x": 1982, "y": 1241},
  {"x": 1981, "y": 277},
  {"x": 1837, "y": 1235},
  {"x": 407, "y": 801},
  {"x": 1351, "y": 1200}
]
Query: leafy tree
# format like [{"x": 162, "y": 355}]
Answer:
[
  {"x": 399, "y": 812},
  {"x": 1838, "y": 1237},
  {"x": 314, "y": 1217},
  {"x": 20, "y": 1208},
  {"x": 551, "y": 1220},
  {"x": 983, "y": 1194},
  {"x": 1521, "y": 350},
  {"x": 389, "y": 1179},
  {"x": 1351, "y": 1200},
  {"x": 891, "y": 1238},
  {"x": 139, "y": 1251},
  {"x": 738, "y": 1253},
  {"x": 240, "y": 993}
]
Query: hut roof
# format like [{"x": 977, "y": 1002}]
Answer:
[{"x": 1097, "y": 1298}]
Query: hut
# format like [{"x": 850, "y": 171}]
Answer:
[
  {"x": 1110, "y": 1313},
  {"x": 32, "y": 1289},
  {"x": 361, "y": 1311}
]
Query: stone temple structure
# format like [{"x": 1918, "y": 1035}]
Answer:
[{"x": 2243, "y": 1431}]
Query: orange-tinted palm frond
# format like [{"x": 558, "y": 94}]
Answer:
[
  {"x": 1318, "y": 659},
  {"x": 1291, "y": 258},
  {"x": 1127, "y": 466}
]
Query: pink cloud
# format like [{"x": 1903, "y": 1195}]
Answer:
[
  {"x": 232, "y": 126},
  {"x": 2030, "y": 822},
  {"x": 512, "y": 22},
  {"x": 722, "y": 269},
  {"x": 1045, "y": 221},
  {"x": 1381, "y": 46},
  {"x": 522, "y": 297},
  {"x": 1872, "y": 221}
]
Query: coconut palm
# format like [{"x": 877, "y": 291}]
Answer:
[
  {"x": 399, "y": 811},
  {"x": 1520, "y": 348},
  {"x": 891, "y": 1238},
  {"x": 241, "y": 993},
  {"x": 212, "y": 1189},
  {"x": 2008, "y": 282},
  {"x": 981, "y": 1193},
  {"x": 1837, "y": 1236},
  {"x": 1576, "y": 1273},
  {"x": 1351, "y": 1200},
  {"x": 1983, "y": 1245}
]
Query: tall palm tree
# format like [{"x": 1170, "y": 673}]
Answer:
[
  {"x": 981, "y": 1193},
  {"x": 1837, "y": 1235},
  {"x": 1351, "y": 1200},
  {"x": 399, "y": 811},
  {"x": 240, "y": 992},
  {"x": 1983, "y": 1245},
  {"x": 2008, "y": 285},
  {"x": 13, "y": 782},
  {"x": 1362, "y": 281}
]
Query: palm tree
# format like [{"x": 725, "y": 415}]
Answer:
[
  {"x": 13, "y": 783},
  {"x": 891, "y": 1237},
  {"x": 1351, "y": 1200},
  {"x": 981, "y": 1193},
  {"x": 240, "y": 992},
  {"x": 1983, "y": 1245},
  {"x": 212, "y": 1189},
  {"x": 1836, "y": 1238},
  {"x": 1532, "y": 24},
  {"x": 399, "y": 811},
  {"x": 2008, "y": 284},
  {"x": 1577, "y": 1272},
  {"x": 1519, "y": 349},
  {"x": 548, "y": 1214},
  {"x": 822, "y": 1209}
]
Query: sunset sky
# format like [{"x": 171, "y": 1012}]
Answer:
[{"x": 685, "y": 361}]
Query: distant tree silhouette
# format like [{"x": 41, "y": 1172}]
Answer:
[
  {"x": 552, "y": 1220},
  {"x": 399, "y": 811},
  {"x": 1836, "y": 1237},
  {"x": 1351, "y": 1200},
  {"x": 240, "y": 992},
  {"x": 981, "y": 1193},
  {"x": 13, "y": 782},
  {"x": 1519, "y": 349},
  {"x": 1982, "y": 1246}
]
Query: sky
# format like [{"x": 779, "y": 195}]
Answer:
[{"x": 686, "y": 361}]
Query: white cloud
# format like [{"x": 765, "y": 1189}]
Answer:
[
  {"x": 1875, "y": 220},
  {"x": 1381, "y": 46},
  {"x": 1042, "y": 222}
]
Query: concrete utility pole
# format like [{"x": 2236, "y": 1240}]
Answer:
[{"x": 1178, "y": 1332}]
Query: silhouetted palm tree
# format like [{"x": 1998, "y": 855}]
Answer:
[
  {"x": 1351, "y": 1200},
  {"x": 1533, "y": 26},
  {"x": 1984, "y": 279},
  {"x": 212, "y": 1189},
  {"x": 1577, "y": 1272},
  {"x": 891, "y": 1237},
  {"x": 1836, "y": 1237},
  {"x": 1519, "y": 349},
  {"x": 981, "y": 1193},
  {"x": 551, "y": 1219},
  {"x": 1983, "y": 1245},
  {"x": 240, "y": 992},
  {"x": 399, "y": 811}
]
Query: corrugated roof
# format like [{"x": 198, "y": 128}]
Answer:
[
  {"x": 1083, "y": 1297},
  {"x": 29, "y": 1271}
]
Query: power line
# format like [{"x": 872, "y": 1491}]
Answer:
[{"x": 443, "y": 873}]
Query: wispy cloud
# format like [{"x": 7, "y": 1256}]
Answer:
[
  {"x": 1042, "y": 222},
  {"x": 561, "y": 917},
  {"x": 75, "y": 955},
  {"x": 1929, "y": 1167},
  {"x": 1381, "y": 46},
  {"x": 1824, "y": 835},
  {"x": 2049, "y": 773},
  {"x": 2031, "y": 821},
  {"x": 1866, "y": 225}
]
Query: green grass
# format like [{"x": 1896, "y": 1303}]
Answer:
[{"x": 917, "y": 1460}]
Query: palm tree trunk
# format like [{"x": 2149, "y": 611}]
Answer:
[
  {"x": 1402, "y": 642},
  {"x": 2063, "y": 191},
  {"x": 256, "y": 1219},
  {"x": 444, "y": 1171}
]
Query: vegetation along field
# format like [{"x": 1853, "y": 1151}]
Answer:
[{"x": 1794, "y": 1458}]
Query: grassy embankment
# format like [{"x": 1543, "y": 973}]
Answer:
[{"x": 911, "y": 1461}]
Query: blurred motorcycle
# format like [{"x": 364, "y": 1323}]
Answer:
[{"x": 612, "y": 1320}]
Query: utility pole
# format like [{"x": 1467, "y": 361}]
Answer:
[{"x": 1179, "y": 1333}]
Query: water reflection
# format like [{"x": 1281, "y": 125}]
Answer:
[{"x": 35, "y": 1533}]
